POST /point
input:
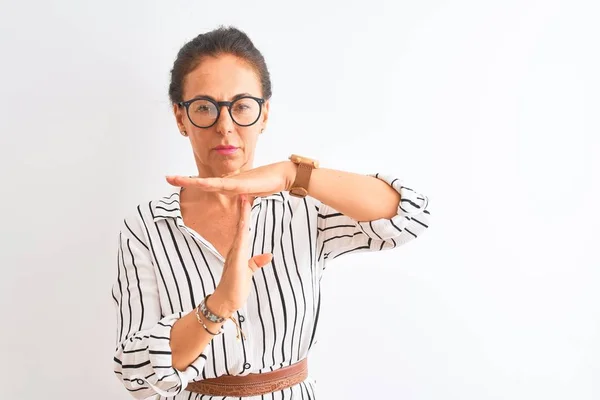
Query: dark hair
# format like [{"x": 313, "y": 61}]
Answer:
[{"x": 223, "y": 40}]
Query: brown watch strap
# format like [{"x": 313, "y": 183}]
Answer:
[{"x": 300, "y": 185}]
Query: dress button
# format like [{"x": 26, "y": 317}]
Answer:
[
  {"x": 242, "y": 319},
  {"x": 247, "y": 366},
  {"x": 140, "y": 382}
]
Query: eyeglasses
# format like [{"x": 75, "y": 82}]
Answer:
[{"x": 204, "y": 112}]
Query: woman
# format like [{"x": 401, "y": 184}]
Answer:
[{"x": 195, "y": 324}]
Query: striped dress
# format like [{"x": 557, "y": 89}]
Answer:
[{"x": 165, "y": 269}]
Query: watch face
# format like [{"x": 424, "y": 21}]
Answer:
[{"x": 299, "y": 159}]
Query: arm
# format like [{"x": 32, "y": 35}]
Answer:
[
  {"x": 364, "y": 213},
  {"x": 360, "y": 197},
  {"x": 153, "y": 353}
]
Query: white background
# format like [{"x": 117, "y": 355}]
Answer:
[{"x": 488, "y": 107}]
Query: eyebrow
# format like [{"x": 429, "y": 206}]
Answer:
[{"x": 237, "y": 96}]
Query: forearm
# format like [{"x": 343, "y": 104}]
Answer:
[
  {"x": 189, "y": 338},
  {"x": 360, "y": 197}
]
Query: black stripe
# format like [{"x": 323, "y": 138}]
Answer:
[
  {"x": 310, "y": 239},
  {"x": 312, "y": 338},
  {"x": 138, "y": 389},
  {"x": 426, "y": 226},
  {"x": 135, "y": 351},
  {"x": 322, "y": 249},
  {"x": 406, "y": 229},
  {"x": 159, "y": 352},
  {"x": 337, "y": 214},
  {"x": 299, "y": 279},
  {"x": 128, "y": 290},
  {"x": 130, "y": 366},
  {"x": 214, "y": 285},
  {"x": 342, "y": 236},
  {"x": 282, "y": 297},
  {"x": 415, "y": 205},
  {"x": 368, "y": 246},
  {"x": 267, "y": 285},
  {"x": 312, "y": 261},
  {"x": 121, "y": 322},
  {"x": 312, "y": 391},
  {"x": 225, "y": 355},
  {"x": 287, "y": 271},
  {"x": 336, "y": 226},
  {"x": 154, "y": 254},
  {"x": 307, "y": 392},
  {"x": 134, "y": 235},
  {"x": 371, "y": 226},
  {"x": 166, "y": 376},
  {"x": 168, "y": 209},
  {"x": 166, "y": 254},
  {"x": 243, "y": 343},
  {"x": 185, "y": 271},
  {"x": 395, "y": 226},
  {"x": 159, "y": 337},
  {"x": 137, "y": 276},
  {"x": 168, "y": 204}
]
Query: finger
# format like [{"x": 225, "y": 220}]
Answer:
[
  {"x": 225, "y": 184},
  {"x": 259, "y": 261}
]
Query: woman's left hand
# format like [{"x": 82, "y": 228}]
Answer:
[{"x": 261, "y": 181}]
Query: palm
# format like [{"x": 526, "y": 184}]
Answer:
[{"x": 261, "y": 181}]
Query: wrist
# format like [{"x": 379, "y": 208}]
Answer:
[
  {"x": 290, "y": 169},
  {"x": 218, "y": 305}
]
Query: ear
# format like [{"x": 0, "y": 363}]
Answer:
[
  {"x": 265, "y": 113},
  {"x": 180, "y": 117}
]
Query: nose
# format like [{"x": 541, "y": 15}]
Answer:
[{"x": 224, "y": 124}]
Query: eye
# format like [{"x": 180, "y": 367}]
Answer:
[{"x": 202, "y": 108}]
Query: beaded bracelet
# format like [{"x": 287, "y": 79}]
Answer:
[
  {"x": 204, "y": 325},
  {"x": 210, "y": 316}
]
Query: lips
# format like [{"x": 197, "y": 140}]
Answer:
[{"x": 226, "y": 150}]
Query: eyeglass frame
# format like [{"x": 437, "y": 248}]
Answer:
[{"x": 219, "y": 105}]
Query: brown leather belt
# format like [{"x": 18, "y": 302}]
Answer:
[{"x": 252, "y": 384}]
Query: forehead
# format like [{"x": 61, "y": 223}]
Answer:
[{"x": 222, "y": 77}]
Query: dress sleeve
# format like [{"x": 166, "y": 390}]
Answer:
[
  {"x": 338, "y": 234},
  {"x": 142, "y": 359}
]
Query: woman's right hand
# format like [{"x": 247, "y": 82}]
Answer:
[{"x": 234, "y": 287}]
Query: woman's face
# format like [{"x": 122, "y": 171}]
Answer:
[{"x": 222, "y": 78}]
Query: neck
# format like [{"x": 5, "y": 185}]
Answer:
[{"x": 210, "y": 200}]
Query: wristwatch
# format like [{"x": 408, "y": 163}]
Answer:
[{"x": 305, "y": 166}]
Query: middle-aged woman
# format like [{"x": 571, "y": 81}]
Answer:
[{"x": 218, "y": 285}]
